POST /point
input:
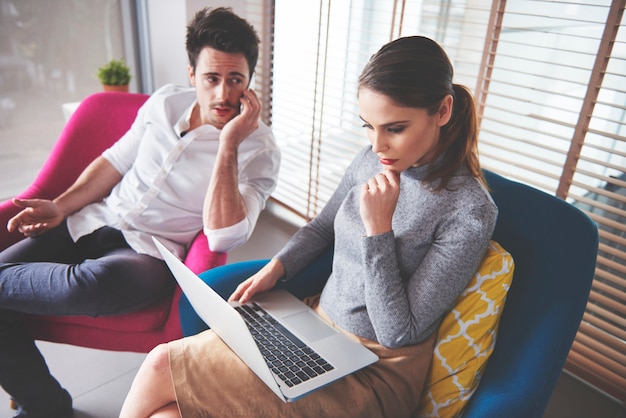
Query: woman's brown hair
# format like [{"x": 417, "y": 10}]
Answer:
[{"x": 416, "y": 72}]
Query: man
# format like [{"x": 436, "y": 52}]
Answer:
[{"x": 194, "y": 158}]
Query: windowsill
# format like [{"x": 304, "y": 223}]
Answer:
[
  {"x": 284, "y": 214},
  {"x": 69, "y": 109}
]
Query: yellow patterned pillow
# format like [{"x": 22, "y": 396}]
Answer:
[{"x": 467, "y": 336}]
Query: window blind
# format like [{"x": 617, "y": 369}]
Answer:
[
  {"x": 260, "y": 14},
  {"x": 599, "y": 187},
  {"x": 315, "y": 98},
  {"x": 317, "y": 64},
  {"x": 553, "y": 100}
]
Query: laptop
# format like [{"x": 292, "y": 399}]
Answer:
[{"x": 331, "y": 354}]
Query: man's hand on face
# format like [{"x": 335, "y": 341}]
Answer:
[{"x": 246, "y": 122}]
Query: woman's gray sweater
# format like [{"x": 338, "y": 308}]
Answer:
[{"x": 395, "y": 287}]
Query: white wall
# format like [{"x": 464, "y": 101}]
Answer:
[{"x": 167, "y": 27}]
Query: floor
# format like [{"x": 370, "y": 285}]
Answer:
[{"x": 99, "y": 380}]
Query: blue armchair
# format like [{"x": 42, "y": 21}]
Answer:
[{"x": 554, "y": 246}]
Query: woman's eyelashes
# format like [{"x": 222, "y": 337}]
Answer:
[
  {"x": 391, "y": 129},
  {"x": 396, "y": 129}
]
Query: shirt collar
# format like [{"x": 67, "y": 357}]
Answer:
[{"x": 182, "y": 126}]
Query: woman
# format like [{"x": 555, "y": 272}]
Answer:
[{"x": 410, "y": 222}]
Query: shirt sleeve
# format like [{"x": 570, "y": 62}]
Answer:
[
  {"x": 123, "y": 153},
  {"x": 257, "y": 180},
  {"x": 225, "y": 239}
]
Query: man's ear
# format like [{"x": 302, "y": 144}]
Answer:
[
  {"x": 445, "y": 110},
  {"x": 192, "y": 75}
]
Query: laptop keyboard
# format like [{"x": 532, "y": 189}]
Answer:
[{"x": 290, "y": 359}]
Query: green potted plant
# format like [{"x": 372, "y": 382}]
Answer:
[{"x": 114, "y": 76}]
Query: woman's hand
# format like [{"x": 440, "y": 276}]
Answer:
[
  {"x": 264, "y": 280},
  {"x": 379, "y": 197},
  {"x": 37, "y": 216}
]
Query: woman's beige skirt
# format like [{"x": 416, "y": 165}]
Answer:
[{"x": 211, "y": 381}]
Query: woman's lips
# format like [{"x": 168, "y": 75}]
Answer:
[{"x": 387, "y": 161}]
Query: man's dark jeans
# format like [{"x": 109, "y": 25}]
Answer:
[{"x": 52, "y": 275}]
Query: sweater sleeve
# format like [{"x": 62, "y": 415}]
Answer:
[
  {"x": 313, "y": 238},
  {"x": 408, "y": 311}
]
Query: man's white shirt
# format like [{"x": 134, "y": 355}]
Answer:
[{"x": 166, "y": 172}]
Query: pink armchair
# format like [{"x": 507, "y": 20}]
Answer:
[{"x": 97, "y": 123}]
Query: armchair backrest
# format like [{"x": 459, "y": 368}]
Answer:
[
  {"x": 554, "y": 246},
  {"x": 99, "y": 121},
  {"x": 83, "y": 138}
]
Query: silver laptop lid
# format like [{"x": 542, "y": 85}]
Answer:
[{"x": 221, "y": 317}]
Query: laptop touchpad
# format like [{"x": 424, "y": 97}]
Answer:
[{"x": 309, "y": 325}]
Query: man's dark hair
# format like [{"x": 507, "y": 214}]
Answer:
[{"x": 224, "y": 31}]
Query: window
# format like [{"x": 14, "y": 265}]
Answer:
[
  {"x": 317, "y": 62},
  {"x": 554, "y": 118},
  {"x": 49, "y": 55},
  {"x": 260, "y": 14}
]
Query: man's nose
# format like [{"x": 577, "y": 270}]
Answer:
[{"x": 223, "y": 91}]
